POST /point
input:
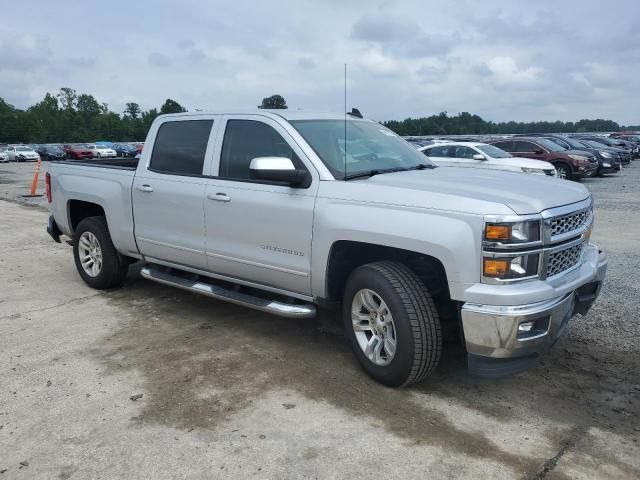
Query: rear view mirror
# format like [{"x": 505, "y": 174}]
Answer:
[
  {"x": 477, "y": 156},
  {"x": 277, "y": 169}
]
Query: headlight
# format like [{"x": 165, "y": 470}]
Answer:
[
  {"x": 512, "y": 232},
  {"x": 605, "y": 154},
  {"x": 536, "y": 171},
  {"x": 511, "y": 268},
  {"x": 578, "y": 157}
]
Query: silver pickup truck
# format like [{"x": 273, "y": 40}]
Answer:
[{"x": 286, "y": 211}]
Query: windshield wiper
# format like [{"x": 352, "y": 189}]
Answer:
[{"x": 371, "y": 173}]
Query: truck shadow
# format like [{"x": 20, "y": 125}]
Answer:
[{"x": 204, "y": 361}]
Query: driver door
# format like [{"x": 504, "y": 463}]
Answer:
[{"x": 258, "y": 231}]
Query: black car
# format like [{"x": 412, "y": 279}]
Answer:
[
  {"x": 124, "y": 149},
  {"x": 622, "y": 155},
  {"x": 608, "y": 142},
  {"x": 607, "y": 163},
  {"x": 48, "y": 152}
]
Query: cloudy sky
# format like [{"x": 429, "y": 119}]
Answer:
[{"x": 504, "y": 60}]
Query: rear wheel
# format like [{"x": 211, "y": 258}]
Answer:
[
  {"x": 564, "y": 171},
  {"x": 392, "y": 323},
  {"x": 97, "y": 260}
]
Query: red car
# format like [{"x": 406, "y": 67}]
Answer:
[{"x": 77, "y": 152}]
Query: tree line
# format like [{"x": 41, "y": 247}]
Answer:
[
  {"x": 71, "y": 117},
  {"x": 467, "y": 124}
]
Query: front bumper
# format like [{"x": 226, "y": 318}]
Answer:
[{"x": 502, "y": 340}]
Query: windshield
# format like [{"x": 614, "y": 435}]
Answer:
[
  {"x": 369, "y": 146},
  {"x": 493, "y": 152},
  {"x": 549, "y": 145},
  {"x": 23, "y": 149},
  {"x": 574, "y": 143}
]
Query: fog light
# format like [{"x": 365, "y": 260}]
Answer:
[
  {"x": 525, "y": 327},
  {"x": 534, "y": 328}
]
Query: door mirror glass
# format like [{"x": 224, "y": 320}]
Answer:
[
  {"x": 477, "y": 156},
  {"x": 277, "y": 169}
]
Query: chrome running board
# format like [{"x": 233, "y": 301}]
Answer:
[{"x": 201, "y": 286}]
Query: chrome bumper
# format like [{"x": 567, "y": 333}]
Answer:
[{"x": 517, "y": 331}]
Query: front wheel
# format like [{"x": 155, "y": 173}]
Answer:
[
  {"x": 392, "y": 323},
  {"x": 564, "y": 171},
  {"x": 97, "y": 260}
]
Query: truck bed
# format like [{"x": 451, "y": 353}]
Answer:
[{"x": 121, "y": 163}]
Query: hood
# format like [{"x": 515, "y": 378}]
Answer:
[{"x": 524, "y": 194}]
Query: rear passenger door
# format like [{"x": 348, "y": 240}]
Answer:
[
  {"x": 258, "y": 231},
  {"x": 168, "y": 193},
  {"x": 527, "y": 149}
]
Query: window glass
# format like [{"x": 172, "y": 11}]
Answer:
[
  {"x": 180, "y": 147},
  {"x": 464, "y": 152},
  {"x": 368, "y": 146},
  {"x": 442, "y": 151},
  {"x": 521, "y": 146},
  {"x": 506, "y": 146},
  {"x": 493, "y": 151},
  {"x": 245, "y": 140}
]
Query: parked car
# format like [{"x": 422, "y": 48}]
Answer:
[
  {"x": 51, "y": 152},
  {"x": 101, "y": 151},
  {"x": 622, "y": 155},
  {"x": 607, "y": 163},
  {"x": 105, "y": 143},
  {"x": 570, "y": 164},
  {"x": 125, "y": 150},
  {"x": 484, "y": 156},
  {"x": 608, "y": 142},
  {"x": 3, "y": 156},
  {"x": 77, "y": 152},
  {"x": 21, "y": 153},
  {"x": 276, "y": 218}
]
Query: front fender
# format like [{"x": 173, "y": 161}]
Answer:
[{"x": 452, "y": 238}]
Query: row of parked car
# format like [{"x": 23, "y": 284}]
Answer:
[
  {"x": 570, "y": 157},
  {"x": 75, "y": 151}
]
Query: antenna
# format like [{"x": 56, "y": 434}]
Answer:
[{"x": 345, "y": 121}]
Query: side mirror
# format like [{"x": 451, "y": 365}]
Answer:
[
  {"x": 538, "y": 151},
  {"x": 477, "y": 156},
  {"x": 277, "y": 169}
]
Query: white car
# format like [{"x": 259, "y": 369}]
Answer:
[
  {"x": 484, "y": 156},
  {"x": 21, "y": 153},
  {"x": 3, "y": 156},
  {"x": 101, "y": 151}
]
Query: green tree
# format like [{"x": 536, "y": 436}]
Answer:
[
  {"x": 132, "y": 110},
  {"x": 273, "y": 102},
  {"x": 171, "y": 106},
  {"x": 67, "y": 98}
]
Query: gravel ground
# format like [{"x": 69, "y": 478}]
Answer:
[{"x": 232, "y": 393}]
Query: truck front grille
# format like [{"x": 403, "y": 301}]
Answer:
[
  {"x": 563, "y": 260},
  {"x": 568, "y": 223}
]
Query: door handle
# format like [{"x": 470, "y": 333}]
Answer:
[
  {"x": 145, "y": 188},
  {"x": 219, "y": 197}
]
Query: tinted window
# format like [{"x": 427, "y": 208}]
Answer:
[
  {"x": 521, "y": 146},
  {"x": 245, "y": 140},
  {"x": 180, "y": 147},
  {"x": 506, "y": 146},
  {"x": 437, "y": 151},
  {"x": 464, "y": 152}
]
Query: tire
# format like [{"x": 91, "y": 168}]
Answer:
[
  {"x": 113, "y": 268},
  {"x": 414, "y": 319},
  {"x": 564, "y": 171}
]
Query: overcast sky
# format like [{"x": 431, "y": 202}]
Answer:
[{"x": 503, "y": 60}]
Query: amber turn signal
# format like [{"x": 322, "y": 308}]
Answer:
[
  {"x": 498, "y": 232},
  {"x": 495, "y": 268}
]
